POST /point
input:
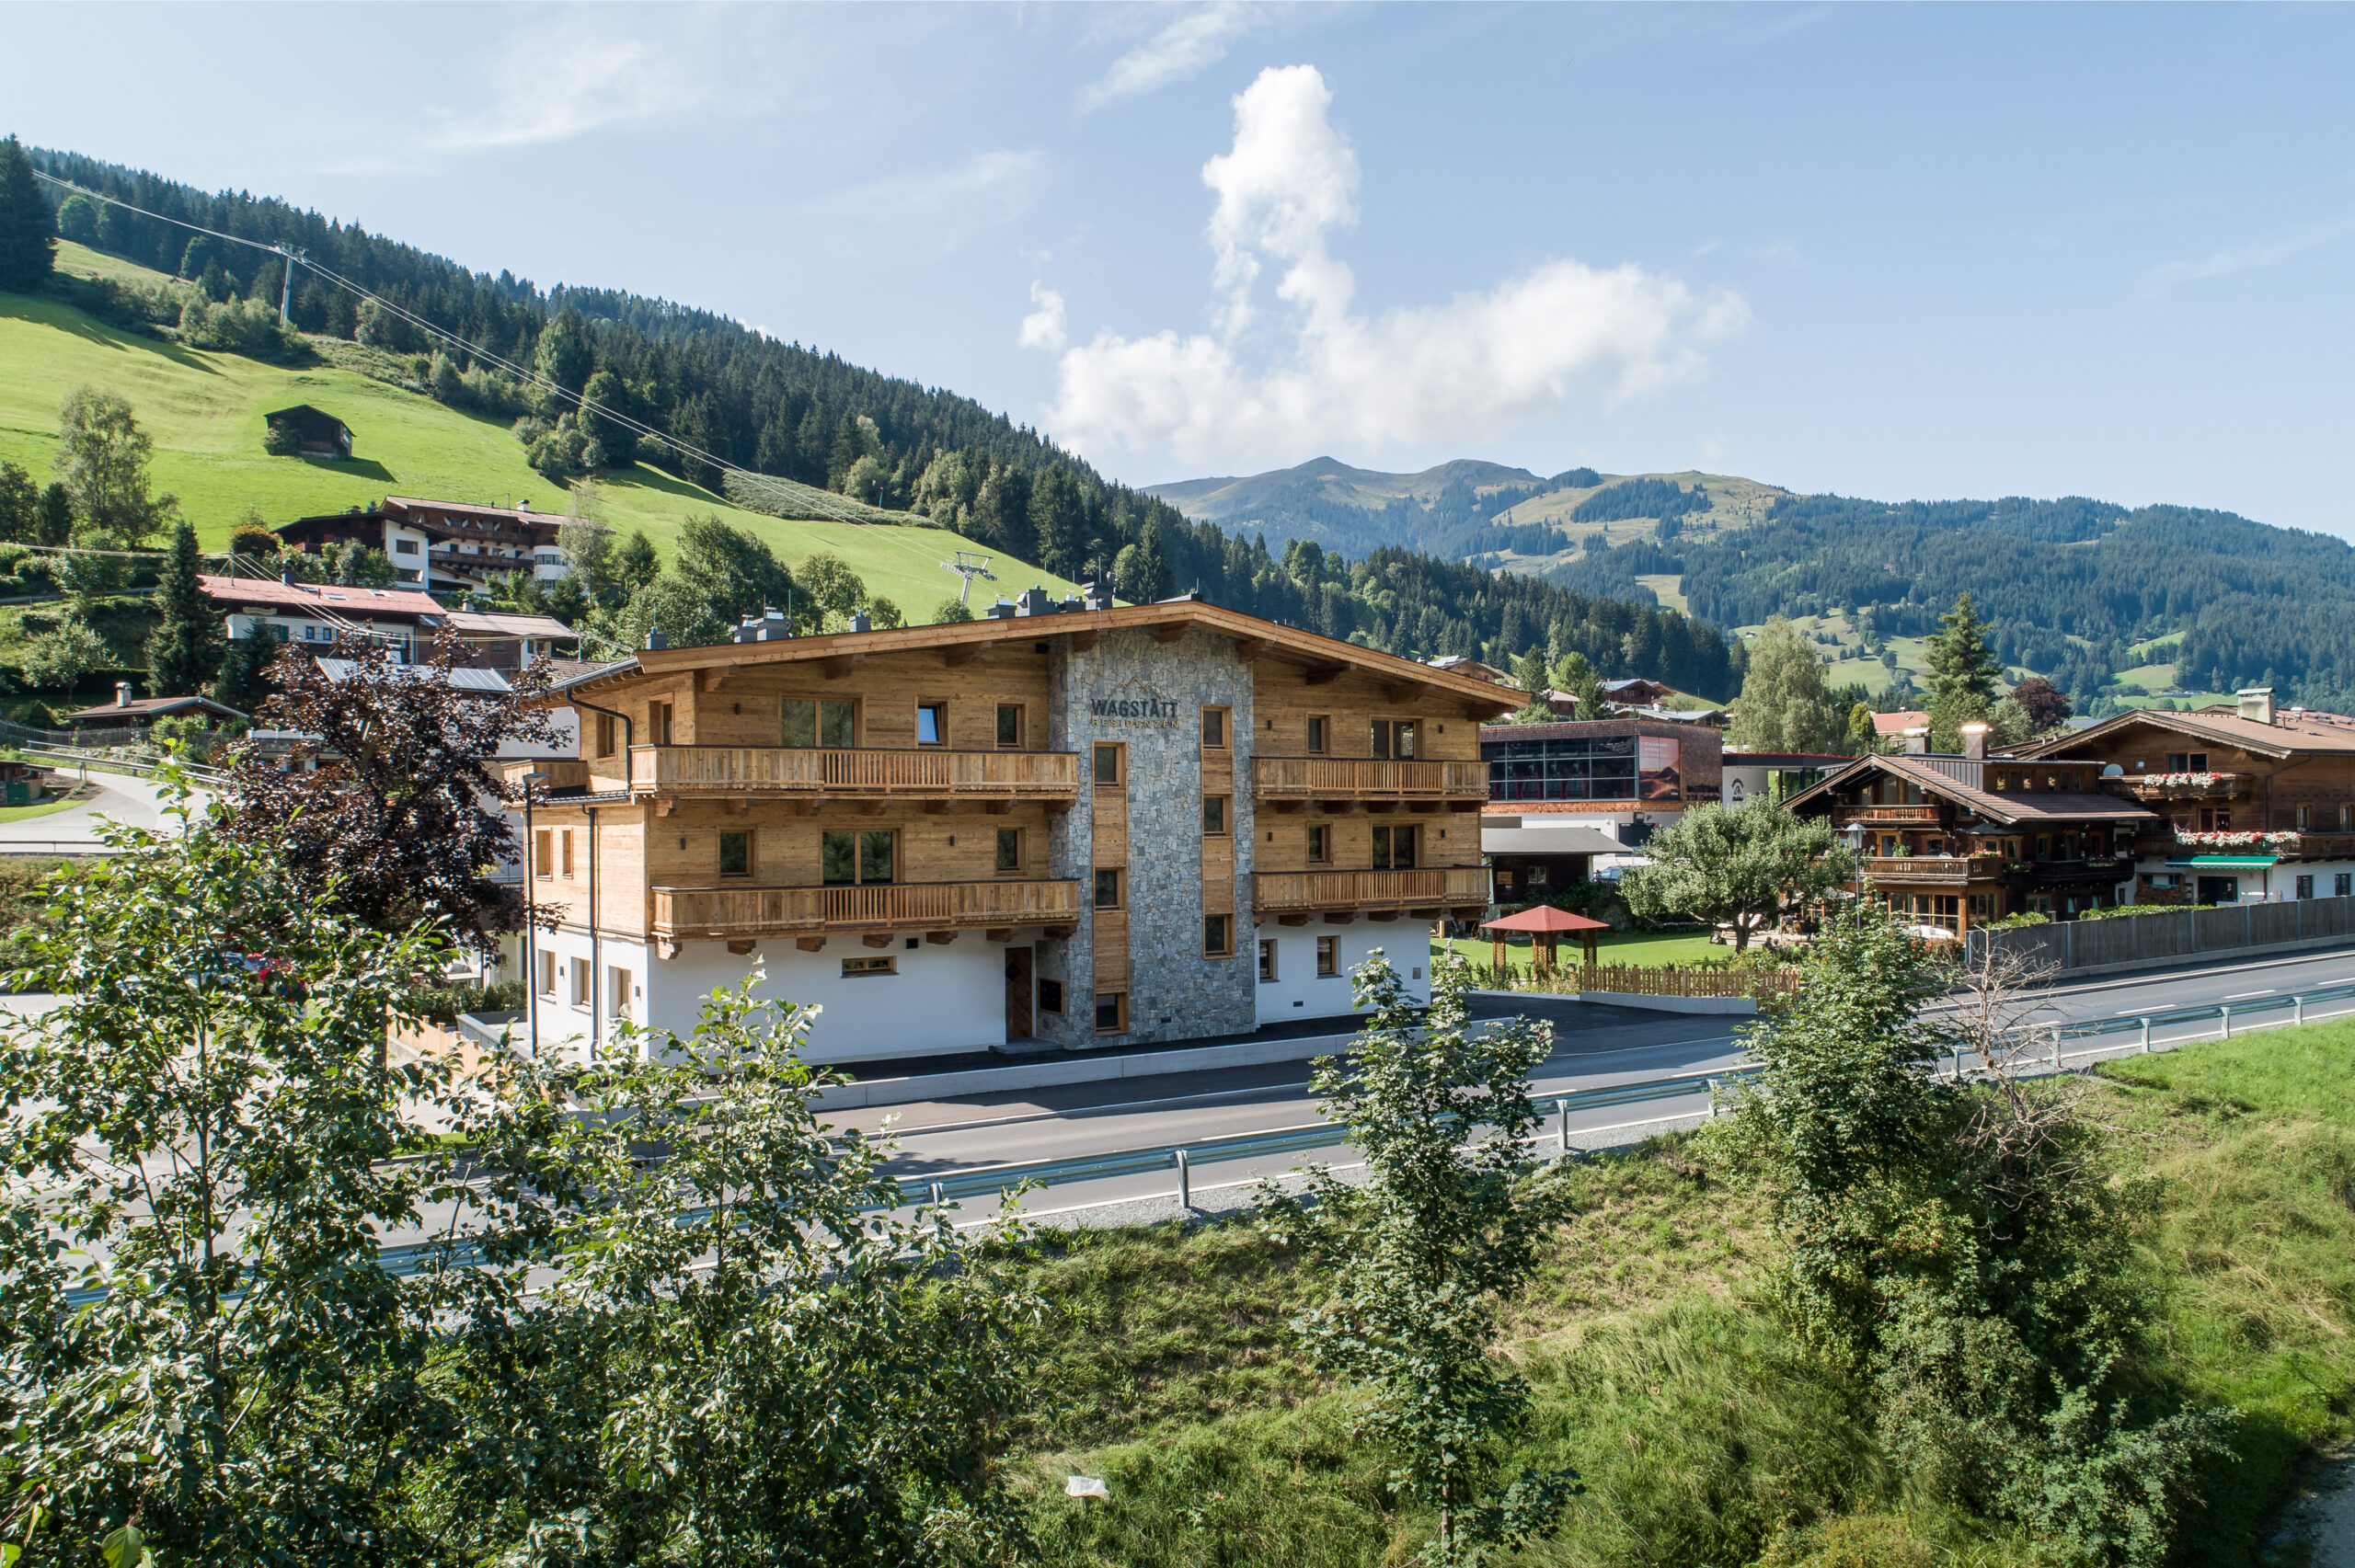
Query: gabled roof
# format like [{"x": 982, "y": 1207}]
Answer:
[
  {"x": 1959, "y": 779},
  {"x": 477, "y": 625},
  {"x": 2288, "y": 736},
  {"x": 323, "y": 599},
  {"x": 1898, "y": 723},
  {"x": 1257, "y": 639},
  {"x": 150, "y": 707}
]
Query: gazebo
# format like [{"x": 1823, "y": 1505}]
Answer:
[{"x": 1545, "y": 925}]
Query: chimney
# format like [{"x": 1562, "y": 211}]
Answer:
[
  {"x": 749, "y": 630},
  {"x": 2257, "y": 703},
  {"x": 774, "y": 627},
  {"x": 1034, "y": 601},
  {"x": 122, "y": 694},
  {"x": 1001, "y": 610},
  {"x": 859, "y": 623},
  {"x": 1917, "y": 742},
  {"x": 655, "y": 639},
  {"x": 1974, "y": 740}
]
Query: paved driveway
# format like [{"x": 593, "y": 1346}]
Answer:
[{"x": 135, "y": 803}]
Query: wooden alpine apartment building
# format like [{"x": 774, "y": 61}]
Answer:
[{"x": 1065, "y": 825}]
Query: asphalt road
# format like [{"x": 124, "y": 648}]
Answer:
[{"x": 1595, "y": 1047}]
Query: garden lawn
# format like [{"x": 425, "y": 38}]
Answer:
[
  {"x": 20, "y": 813},
  {"x": 204, "y": 412}
]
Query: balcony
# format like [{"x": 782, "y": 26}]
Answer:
[
  {"x": 2155, "y": 788},
  {"x": 683, "y": 914},
  {"x": 1954, "y": 869},
  {"x": 1288, "y": 784},
  {"x": 995, "y": 779},
  {"x": 1293, "y": 895},
  {"x": 2092, "y": 868},
  {"x": 1924, "y": 815}
]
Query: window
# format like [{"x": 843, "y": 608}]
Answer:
[
  {"x": 581, "y": 982},
  {"x": 1108, "y": 888},
  {"x": 567, "y": 855},
  {"x": 845, "y": 857},
  {"x": 1213, "y": 816},
  {"x": 1009, "y": 849},
  {"x": 2306, "y": 817},
  {"x": 932, "y": 724},
  {"x": 1983, "y": 905},
  {"x": 2305, "y": 886},
  {"x": 617, "y": 990},
  {"x": 856, "y": 968},
  {"x": 658, "y": 723},
  {"x": 1394, "y": 738},
  {"x": 1112, "y": 1012},
  {"x": 1051, "y": 995},
  {"x": 1108, "y": 765},
  {"x": 1218, "y": 935},
  {"x": 2343, "y": 884},
  {"x": 2186, "y": 762},
  {"x": 831, "y": 724},
  {"x": 1394, "y": 849},
  {"x": 604, "y": 734},
  {"x": 1329, "y": 956},
  {"x": 404, "y": 546},
  {"x": 2345, "y": 818},
  {"x": 735, "y": 854},
  {"x": 1316, "y": 733},
  {"x": 1213, "y": 730},
  {"x": 543, "y": 853},
  {"x": 1009, "y": 723},
  {"x": 1319, "y": 838},
  {"x": 1266, "y": 960},
  {"x": 548, "y": 974}
]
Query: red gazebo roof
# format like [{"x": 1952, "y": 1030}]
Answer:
[{"x": 1545, "y": 917}]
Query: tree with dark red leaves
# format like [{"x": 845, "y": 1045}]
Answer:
[
  {"x": 2047, "y": 705},
  {"x": 403, "y": 818}
]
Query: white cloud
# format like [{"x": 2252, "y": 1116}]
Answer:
[
  {"x": 948, "y": 205},
  {"x": 1338, "y": 378},
  {"x": 544, "y": 94},
  {"x": 2245, "y": 258},
  {"x": 1043, "y": 327},
  {"x": 1195, "y": 40}
]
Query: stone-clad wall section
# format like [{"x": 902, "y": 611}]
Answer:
[{"x": 1175, "y": 992}]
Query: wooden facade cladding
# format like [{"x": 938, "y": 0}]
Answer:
[
  {"x": 1051, "y": 777},
  {"x": 1108, "y": 851},
  {"x": 1434, "y": 888},
  {"x": 1957, "y": 870},
  {"x": 690, "y": 914}
]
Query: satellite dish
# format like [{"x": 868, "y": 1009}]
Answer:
[{"x": 2113, "y": 771}]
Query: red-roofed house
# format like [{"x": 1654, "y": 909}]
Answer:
[
  {"x": 445, "y": 546},
  {"x": 320, "y": 615}
]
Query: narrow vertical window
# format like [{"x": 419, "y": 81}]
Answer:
[
  {"x": 1217, "y": 941},
  {"x": 543, "y": 852},
  {"x": 1213, "y": 816},
  {"x": 566, "y": 839},
  {"x": 1108, "y": 765},
  {"x": 932, "y": 724},
  {"x": 735, "y": 854},
  {"x": 1319, "y": 837},
  {"x": 1108, "y": 888},
  {"x": 1009, "y": 723},
  {"x": 799, "y": 725},
  {"x": 1213, "y": 730},
  {"x": 1329, "y": 956},
  {"x": 1009, "y": 850},
  {"x": 1317, "y": 734},
  {"x": 1266, "y": 960},
  {"x": 838, "y": 724}
]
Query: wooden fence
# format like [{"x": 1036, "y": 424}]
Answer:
[{"x": 1769, "y": 985}]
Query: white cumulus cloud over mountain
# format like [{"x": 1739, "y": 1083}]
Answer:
[{"x": 1318, "y": 374}]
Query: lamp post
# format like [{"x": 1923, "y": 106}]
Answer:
[
  {"x": 531, "y": 782},
  {"x": 1856, "y": 837}
]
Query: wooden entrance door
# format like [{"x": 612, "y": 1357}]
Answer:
[{"x": 1018, "y": 989}]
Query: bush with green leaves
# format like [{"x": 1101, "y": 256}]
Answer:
[
  {"x": 56, "y": 659},
  {"x": 1966, "y": 1252},
  {"x": 1743, "y": 866}
]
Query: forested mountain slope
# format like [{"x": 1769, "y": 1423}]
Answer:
[
  {"x": 2082, "y": 590},
  {"x": 795, "y": 412}
]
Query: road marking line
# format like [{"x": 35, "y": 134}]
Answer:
[{"x": 2247, "y": 994}]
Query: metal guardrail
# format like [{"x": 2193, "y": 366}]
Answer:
[{"x": 138, "y": 767}]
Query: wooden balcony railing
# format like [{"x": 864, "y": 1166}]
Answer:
[
  {"x": 1924, "y": 815},
  {"x": 1320, "y": 778},
  {"x": 2155, "y": 787},
  {"x": 683, "y": 913},
  {"x": 1455, "y": 887},
  {"x": 1932, "y": 868},
  {"x": 796, "y": 771}
]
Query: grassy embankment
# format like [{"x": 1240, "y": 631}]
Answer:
[
  {"x": 1703, "y": 1433},
  {"x": 204, "y": 411}
]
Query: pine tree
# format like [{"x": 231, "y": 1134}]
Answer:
[
  {"x": 186, "y": 650},
  {"x": 28, "y": 232},
  {"x": 1962, "y": 675},
  {"x": 53, "y": 518},
  {"x": 1153, "y": 567}
]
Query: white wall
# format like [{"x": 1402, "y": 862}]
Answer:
[{"x": 1298, "y": 991}]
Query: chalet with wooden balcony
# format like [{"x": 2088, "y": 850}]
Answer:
[
  {"x": 1952, "y": 843},
  {"x": 1058, "y": 827},
  {"x": 2249, "y": 802}
]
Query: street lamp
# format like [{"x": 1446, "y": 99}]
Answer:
[
  {"x": 1856, "y": 837},
  {"x": 531, "y": 782}
]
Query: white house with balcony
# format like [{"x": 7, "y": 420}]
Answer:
[{"x": 444, "y": 546}]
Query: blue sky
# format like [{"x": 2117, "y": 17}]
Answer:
[{"x": 1890, "y": 251}]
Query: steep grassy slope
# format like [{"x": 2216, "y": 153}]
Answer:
[{"x": 204, "y": 411}]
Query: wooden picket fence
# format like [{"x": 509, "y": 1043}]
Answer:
[{"x": 1768, "y": 984}]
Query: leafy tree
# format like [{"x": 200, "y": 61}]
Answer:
[
  {"x": 1741, "y": 867},
  {"x": 742, "y": 1357},
  {"x": 951, "y": 612},
  {"x": 19, "y": 506},
  {"x": 885, "y": 614},
  {"x": 184, "y": 653},
  {"x": 588, "y": 549},
  {"x": 727, "y": 571},
  {"x": 2045, "y": 706},
  {"x": 78, "y": 220},
  {"x": 635, "y": 561},
  {"x": 102, "y": 461},
  {"x": 27, "y": 234},
  {"x": 404, "y": 817},
  {"x": 565, "y": 356},
  {"x": 1575, "y": 675},
  {"x": 1963, "y": 1252},
  {"x": 250, "y": 535},
  {"x": 615, "y": 440},
  {"x": 1784, "y": 706},
  {"x": 834, "y": 592},
  {"x": 57, "y": 658},
  {"x": 1416, "y": 1258},
  {"x": 1862, "y": 738},
  {"x": 209, "y": 1117}
]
